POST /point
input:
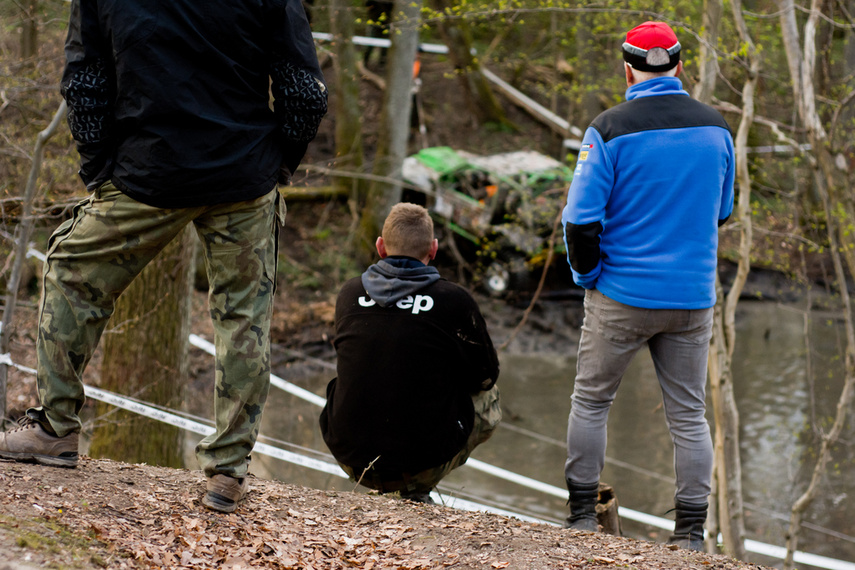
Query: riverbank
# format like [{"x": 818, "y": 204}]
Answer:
[
  {"x": 106, "y": 514},
  {"x": 115, "y": 515}
]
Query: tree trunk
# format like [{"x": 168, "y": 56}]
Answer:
[
  {"x": 348, "y": 115},
  {"x": 29, "y": 30},
  {"x": 728, "y": 464},
  {"x": 458, "y": 37},
  {"x": 790, "y": 36},
  {"x": 704, "y": 92},
  {"x": 837, "y": 206},
  {"x": 849, "y": 60},
  {"x": 607, "y": 510},
  {"x": 728, "y": 476},
  {"x": 709, "y": 55},
  {"x": 587, "y": 54},
  {"x": 145, "y": 356},
  {"x": 830, "y": 438},
  {"x": 395, "y": 117}
]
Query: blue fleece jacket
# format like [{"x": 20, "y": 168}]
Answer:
[{"x": 653, "y": 182}]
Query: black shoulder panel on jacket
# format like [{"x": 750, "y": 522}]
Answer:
[{"x": 654, "y": 113}]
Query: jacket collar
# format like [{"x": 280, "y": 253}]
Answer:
[{"x": 656, "y": 86}]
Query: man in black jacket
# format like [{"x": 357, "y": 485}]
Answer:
[
  {"x": 415, "y": 391},
  {"x": 169, "y": 107}
]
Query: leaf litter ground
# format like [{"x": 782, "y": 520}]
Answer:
[{"x": 107, "y": 514}]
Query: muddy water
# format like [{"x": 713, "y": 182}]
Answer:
[{"x": 778, "y": 404}]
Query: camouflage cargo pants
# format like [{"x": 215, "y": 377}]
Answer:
[
  {"x": 488, "y": 414},
  {"x": 96, "y": 254}
]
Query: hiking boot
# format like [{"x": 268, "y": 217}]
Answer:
[
  {"x": 32, "y": 442},
  {"x": 583, "y": 507},
  {"x": 224, "y": 493},
  {"x": 418, "y": 497},
  {"x": 689, "y": 526}
]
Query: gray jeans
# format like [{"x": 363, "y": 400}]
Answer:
[{"x": 679, "y": 343}]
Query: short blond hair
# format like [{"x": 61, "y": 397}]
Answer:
[{"x": 408, "y": 230}]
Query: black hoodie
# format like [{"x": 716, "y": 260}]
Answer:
[{"x": 412, "y": 348}]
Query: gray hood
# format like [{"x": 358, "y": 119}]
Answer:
[{"x": 391, "y": 279}]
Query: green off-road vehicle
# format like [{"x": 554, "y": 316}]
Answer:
[{"x": 498, "y": 213}]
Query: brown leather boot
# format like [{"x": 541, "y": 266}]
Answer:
[
  {"x": 224, "y": 493},
  {"x": 29, "y": 441}
]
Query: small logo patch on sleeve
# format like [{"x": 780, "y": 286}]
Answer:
[{"x": 584, "y": 150}]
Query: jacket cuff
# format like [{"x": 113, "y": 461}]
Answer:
[
  {"x": 96, "y": 164},
  {"x": 292, "y": 153}
]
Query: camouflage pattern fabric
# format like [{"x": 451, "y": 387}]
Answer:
[
  {"x": 96, "y": 254},
  {"x": 488, "y": 414}
]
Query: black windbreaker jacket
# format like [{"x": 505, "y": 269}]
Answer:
[{"x": 169, "y": 98}]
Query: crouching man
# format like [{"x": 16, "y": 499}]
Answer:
[{"x": 415, "y": 391}]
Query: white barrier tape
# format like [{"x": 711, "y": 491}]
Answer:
[
  {"x": 630, "y": 514},
  {"x": 37, "y": 254},
  {"x": 380, "y": 42},
  {"x": 473, "y": 463},
  {"x": 264, "y": 449},
  {"x": 800, "y": 557},
  {"x": 528, "y": 482},
  {"x": 31, "y": 252},
  {"x": 466, "y": 505},
  {"x": 202, "y": 429},
  {"x": 301, "y": 393},
  {"x": 147, "y": 411},
  {"x": 278, "y": 453},
  {"x": 7, "y": 360},
  {"x": 298, "y": 459}
]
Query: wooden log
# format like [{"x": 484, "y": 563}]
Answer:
[
  {"x": 308, "y": 193},
  {"x": 607, "y": 510},
  {"x": 558, "y": 124}
]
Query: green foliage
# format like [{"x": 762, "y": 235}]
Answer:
[
  {"x": 30, "y": 99},
  {"x": 564, "y": 54},
  {"x": 493, "y": 127},
  {"x": 324, "y": 262}
]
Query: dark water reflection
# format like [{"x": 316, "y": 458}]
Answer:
[{"x": 776, "y": 400}]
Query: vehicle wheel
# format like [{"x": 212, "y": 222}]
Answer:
[{"x": 506, "y": 274}]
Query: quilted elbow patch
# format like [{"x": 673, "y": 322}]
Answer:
[
  {"x": 300, "y": 101},
  {"x": 87, "y": 93}
]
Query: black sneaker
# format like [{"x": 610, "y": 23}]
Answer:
[{"x": 418, "y": 497}]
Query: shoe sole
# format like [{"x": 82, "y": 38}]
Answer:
[
  {"x": 51, "y": 460},
  {"x": 217, "y": 502}
]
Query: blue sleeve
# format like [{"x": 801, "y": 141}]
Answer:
[{"x": 584, "y": 215}]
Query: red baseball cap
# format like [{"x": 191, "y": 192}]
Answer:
[{"x": 647, "y": 36}]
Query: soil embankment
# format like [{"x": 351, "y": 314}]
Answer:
[{"x": 106, "y": 514}]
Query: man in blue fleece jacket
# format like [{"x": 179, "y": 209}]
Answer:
[
  {"x": 653, "y": 182},
  {"x": 415, "y": 391}
]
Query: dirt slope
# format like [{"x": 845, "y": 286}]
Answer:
[{"x": 106, "y": 514}]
